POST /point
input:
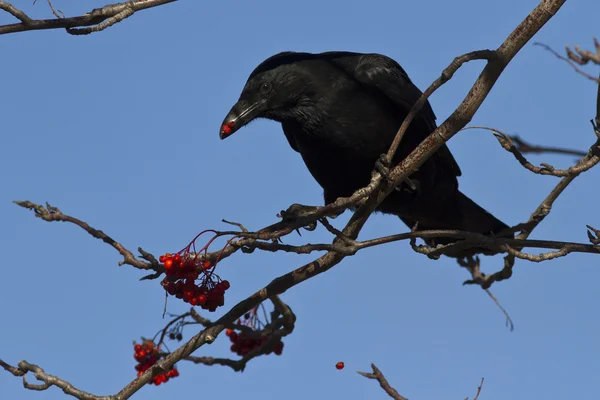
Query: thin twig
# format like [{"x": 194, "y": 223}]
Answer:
[
  {"x": 570, "y": 61},
  {"x": 478, "y": 390},
  {"x": 379, "y": 377},
  {"x": 546, "y": 169},
  {"x": 53, "y": 214}
]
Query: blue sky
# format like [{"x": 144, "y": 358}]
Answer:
[{"x": 120, "y": 129}]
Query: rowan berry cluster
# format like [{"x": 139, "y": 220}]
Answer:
[
  {"x": 182, "y": 274},
  {"x": 246, "y": 341},
  {"x": 147, "y": 354}
]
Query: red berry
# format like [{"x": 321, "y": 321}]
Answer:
[
  {"x": 206, "y": 264},
  {"x": 340, "y": 365},
  {"x": 177, "y": 258},
  {"x": 189, "y": 283},
  {"x": 174, "y": 372},
  {"x": 187, "y": 296},
  {"x": 162, "y": 259},
  {"x": 226, "y": 284},
  {"x": 194, "y": 301},
  {"x": 201, "y": 299},
  {"x": 137, "y": 348},
  {"x": 228, "y": 332},
  {"x": 169, "y": 264}
]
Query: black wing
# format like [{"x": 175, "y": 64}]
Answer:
[{"x": 379, "y": 72}]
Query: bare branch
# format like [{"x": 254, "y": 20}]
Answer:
[
  {"x": 56, "y": 14},
  {"x": 573, "y": 59},
  {"x": 379, "y": 377},
  {"x": 20, "y": 15},
  {"x": 94, "y": 21},
  {"x": 546, "y": 169},
  {"x": 48, "y": 381},
  {"x": 52, "y": 214},
  {"x": 582, "y": 57},
  {"x": 525, "y": 147},
  {"x": 478, "y": 391}
]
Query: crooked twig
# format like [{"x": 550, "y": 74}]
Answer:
[
  {"x": 48, "y": 381},
  {"x": 580, "y": 57},
  {"x": 379, "y": 377},
  {"x": 94, "y": 21},
  {"x": 582, "y": 165}
]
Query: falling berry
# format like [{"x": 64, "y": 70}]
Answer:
[{"x": 339, "y": 365}]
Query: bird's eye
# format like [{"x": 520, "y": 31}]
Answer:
[{"x": 265, "y": 87}]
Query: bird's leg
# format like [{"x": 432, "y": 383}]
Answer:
[{"x": 383, "y": 165}]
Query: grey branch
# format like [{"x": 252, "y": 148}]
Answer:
[
  {"x": 94, "y": 21},
  {"x": 48, "y": 380}
]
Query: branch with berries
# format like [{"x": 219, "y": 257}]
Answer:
[{"x": 253, "y": 335}]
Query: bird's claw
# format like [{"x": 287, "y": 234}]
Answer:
[
  {"x": 383, "y": 165},
  {"x": 296, "y": 211},
  {"x": 412, "y": 186}
]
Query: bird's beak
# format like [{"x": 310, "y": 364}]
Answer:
[{"x": 241, "y": 114}]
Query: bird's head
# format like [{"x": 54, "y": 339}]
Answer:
[{"x": 277, "y": 89}]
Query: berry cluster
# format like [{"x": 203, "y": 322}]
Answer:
[
  {"x": 244, "y": 342},
  {"x": 147, "y": 354},
  {"x": 182, "y": 273}
]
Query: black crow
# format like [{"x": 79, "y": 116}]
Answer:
[{"x": 341, "y": 111}]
